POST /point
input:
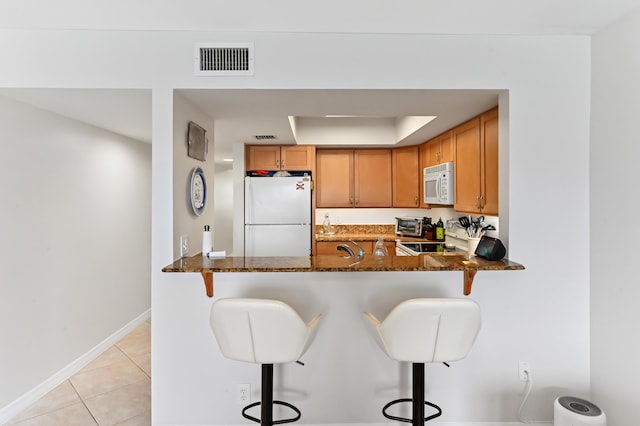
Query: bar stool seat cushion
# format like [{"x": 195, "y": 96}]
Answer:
[
  {"x": 260, "y": 331},
  {"x": 428, "y": 329}
]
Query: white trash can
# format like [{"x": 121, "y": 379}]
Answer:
[{"x": 572, "y": 411}]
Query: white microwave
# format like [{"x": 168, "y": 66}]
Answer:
[{"x": 438, "y": 184}]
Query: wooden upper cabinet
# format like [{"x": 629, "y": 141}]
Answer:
[
  {"x": 437, "y": 150},
  {"x": 446, "y": 147},
  {"x": 429, "y": 153},
  {"x": 276, "y": 157},
  {"x": 262, "y": 157},
  {"x": 297, "y": 157},
  {"x": 476, "y": 164},
  {"x": 489, "y": 138},
  {"x": 353, "y": 178},
  {"x": 405, "y": 176},
  {"x": 467, "y": 166},
  {"x": 334, "y": 178},
  {"x": 372, "y": 178}
]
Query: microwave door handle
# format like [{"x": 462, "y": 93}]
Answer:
[{"x": 438, "y": 187}]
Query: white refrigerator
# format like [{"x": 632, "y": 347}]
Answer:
[{"x": 277, "y": 216}]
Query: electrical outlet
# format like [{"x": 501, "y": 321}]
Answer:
[
  {"x": 184, "y": 245},
  {"x": 522, "y": 367},
  {"x": 244, "y": 393}
]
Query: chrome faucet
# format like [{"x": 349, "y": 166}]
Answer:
[
  {"x": 349, "y": 250},
  {"x": 346, "y": 248},
  {"x": 360, "y": 249}
]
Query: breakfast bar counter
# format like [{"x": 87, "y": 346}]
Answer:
[{"x": 455, "y": 261}]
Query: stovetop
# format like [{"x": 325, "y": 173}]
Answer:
[
  {"x": 426, "y": 247},
  {"x": 414, "y": 248}
]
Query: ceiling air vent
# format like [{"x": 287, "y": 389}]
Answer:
[
  {"x": 223, "y": 59},
  {"x": 263, "y": 138}
]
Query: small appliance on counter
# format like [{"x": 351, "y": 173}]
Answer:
[{"x": 413, "y": 226}]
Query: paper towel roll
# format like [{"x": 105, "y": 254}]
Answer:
[
  {"x": 572, "y": 411},
  {"x": 207, "y": 244}
]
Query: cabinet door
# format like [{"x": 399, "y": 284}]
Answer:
[
  {"x": 297, "y": 157},
  {"x": 326, "y": 247},
  {"x": 334, "y": 171},
  {"x": 466, "y": 138},
  {"x": 262, "y": 157},
  {"x": 424, "y": 159},
  {"x": 372, "y": 184},
  {"x": 489, "y": 136},
  {"x": 391, "y": 247},
  {"x": 446, "y": 147},
  {"x": 406, "y": 177},
  {"x": 429, "y": 153}
]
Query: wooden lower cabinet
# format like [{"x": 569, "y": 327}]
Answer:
[{"x": 329, "y": 247}]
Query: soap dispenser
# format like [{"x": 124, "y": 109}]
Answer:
[
  {"x": 326, "y": 225},
  {"x": 380, "y": 249}
]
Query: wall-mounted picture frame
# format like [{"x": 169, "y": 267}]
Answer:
[{"x": 197, "y": 142}]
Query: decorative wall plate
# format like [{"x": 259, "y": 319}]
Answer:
[{"x": 198, "y": 191}]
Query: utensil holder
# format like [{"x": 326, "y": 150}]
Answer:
[{"x": 472, "y": 244}]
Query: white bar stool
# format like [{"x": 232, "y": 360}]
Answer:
[
  {"x": 421, "y": 331},
  {"x": 266, "y": 332}
]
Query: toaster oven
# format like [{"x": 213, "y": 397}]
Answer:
[{"x": 410, "y": 226}]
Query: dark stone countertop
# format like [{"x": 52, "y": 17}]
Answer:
[{"x": 455, "y": 261}]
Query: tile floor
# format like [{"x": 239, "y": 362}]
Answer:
[{"x": 114, "y": 389}]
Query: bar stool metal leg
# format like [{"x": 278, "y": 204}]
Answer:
[
  {"x": 418, "y": 394},
  {"x": 266, "y": 409},
  {"x": 267, "y": 402},
  {"x": 417, "y": 400}
]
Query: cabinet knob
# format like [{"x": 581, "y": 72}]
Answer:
[
  {"x": 277, "y": 163},
  {"x": 282, "y": 164}
]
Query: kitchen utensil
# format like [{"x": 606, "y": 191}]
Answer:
[
  {"x": 464, "y": 221},
  {"x": 466, "y": 224}
]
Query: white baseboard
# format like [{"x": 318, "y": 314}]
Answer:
[
  {"x": 17, "y": 406},
  {"x": 433, "y": 423}
]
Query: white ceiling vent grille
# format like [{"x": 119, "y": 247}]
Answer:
[
  {"x": 264, "y": 138},
  {"x": 223, "y": 59}
]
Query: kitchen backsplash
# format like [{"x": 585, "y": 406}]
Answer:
[
  {"x": 363, "y": 216},
  {"x": 359, "y": 229},
  {"x": 382, "y": 221}
]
